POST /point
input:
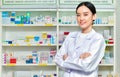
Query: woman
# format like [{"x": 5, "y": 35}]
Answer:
[{"x": 82, "y": 51}]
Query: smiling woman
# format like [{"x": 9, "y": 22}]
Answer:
[
  {"x": 86, "y": 14},
  {"x": 82, "y": 51}
]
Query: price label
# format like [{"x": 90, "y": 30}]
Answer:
[
  {"x": 49, "y": 44},
  {"x": 43, "y": 64},
  {"x": 11, "y": 64},
  {"x": 17, "y": 44},
  {"x": 11, "y": 44},
  {"x": 28, "y": 44},
  {"x": 38, "y": 44},
  {"x": 48, "y": 24},
  {"x": 20, "y": 24}
]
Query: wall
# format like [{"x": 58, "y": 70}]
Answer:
[{"x": 117, "y": 66}]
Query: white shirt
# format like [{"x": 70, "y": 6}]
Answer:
[{"x": 74, "y": 45}]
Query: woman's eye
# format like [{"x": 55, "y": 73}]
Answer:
[
  {"x": 85, "y": 14},
  {"x": 77, "y": 15}
]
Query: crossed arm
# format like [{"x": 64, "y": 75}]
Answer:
[
  {"x": 82, "y": 56},
  {"x": 86, "y": 62}
]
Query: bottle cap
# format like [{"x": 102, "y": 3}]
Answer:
[
  {"x": 48, "y": 36},
  {"x": 66, "y": 33}
]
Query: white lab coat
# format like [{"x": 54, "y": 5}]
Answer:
[{"x": 74, "y": 46}]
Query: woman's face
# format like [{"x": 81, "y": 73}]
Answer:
[{"x": 85, "y": 17}]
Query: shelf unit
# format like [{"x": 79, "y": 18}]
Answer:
[
  {"x": 24, "y": 65},
  {"x": 22, "y": 31},
  {"x": 28, "y": 3},
  {"x": 58, "y": 10},
  {"x": 45, "y": 45},
  {"x": 95, "y": 25}
]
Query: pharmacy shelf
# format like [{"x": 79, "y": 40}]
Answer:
[
  {"x": 29, "y": 44},
  {"x": 106, "y": 44},
  {"x": 96, "y": 25},
  {"x": 28, "y": 9},
  {"x": 98, "y": 10},
  {"x": 102, "y": 7},
  {"x": 29, "y": 25},
  {"x": 103, "y": 25},
  {"x": 106, "y": 65},
  {"x": 67, "y": 25},
  {"x": 29, "y": 64},
  {"x": 45, "y": 64},
  {"x": 109, "y": 44}
]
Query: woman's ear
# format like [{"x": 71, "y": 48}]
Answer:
[{"x": 94, "y": 16}]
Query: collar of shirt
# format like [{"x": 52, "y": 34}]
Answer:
[{"x": 89, "y": 35}]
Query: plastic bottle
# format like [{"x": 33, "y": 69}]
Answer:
[
  {"x": 65, "y": 34},
  {"x": 27, "y": 18},
  {"x": 48, "y": 39},
  {"x": 52, "y": 40},
  {"x": 22, "y": 19},
  {"x": 50, "y": 59},
  {"x": 17, "y": 20},
  {"x": 12, "y": 19},
  {"x": 35, "y": 75},
  {"x": 35, "y": 57},
  {"x": 5, "y": 18},
  {"x": 44, "y": 37}
]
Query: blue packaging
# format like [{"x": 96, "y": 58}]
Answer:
[
  {"x": 18, "y": 20},
  {"x": 5, "y": 14},
  {"x": 27, "y": 18},
  {"x": 35, "y": 55},
  {"x": 35, "y": 75},
  {"x": 12, "y": 19},
  {"x": 36, "y": 38},
  {"x": 52, "y": 40}
]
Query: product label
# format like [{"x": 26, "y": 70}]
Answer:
[
  {"x": 11, "y": 44},
  {"x": 42, "y": 64},
  {"x": 11, "y": 64},
  {"x": 49, "y": 44},
  {"x": 17, "y": 44},
  {"x": 48, "y": 24},
  {"x": 38, "y": 44},
  {"x": 28, "y": 44},
  {"x": 20, "y": 24}
]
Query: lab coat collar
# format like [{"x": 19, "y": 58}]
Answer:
[{"x": 89, "y": 36}]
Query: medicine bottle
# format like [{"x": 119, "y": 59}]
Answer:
[{"x": 65, "y": 34}]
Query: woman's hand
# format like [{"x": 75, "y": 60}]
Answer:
[
  {"x": 85, "y": 55},
  {"x": 65, "y": 56}
]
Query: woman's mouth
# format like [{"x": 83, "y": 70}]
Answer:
[{"x": 82, "y": 23}]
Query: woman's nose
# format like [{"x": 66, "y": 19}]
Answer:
[{"x": 81, "y": 18}]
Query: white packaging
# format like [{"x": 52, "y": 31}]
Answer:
[{"x": 106, "y": 34}]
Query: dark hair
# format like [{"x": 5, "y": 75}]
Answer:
[{"x": 88, "y": 5}]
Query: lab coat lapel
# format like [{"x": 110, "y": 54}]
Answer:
[
  {"x": 78, "y": 42},
  {"x": 75, "y": 40},
  {"x": 81, "y": 43}
]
